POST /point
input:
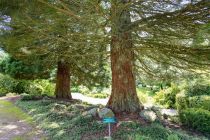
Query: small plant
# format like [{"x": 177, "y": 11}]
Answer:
[
  {"x": 173, "y": 137},
  {"x": 181, "y": 101}
]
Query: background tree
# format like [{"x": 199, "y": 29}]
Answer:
[{"x": 62, "y": 41}]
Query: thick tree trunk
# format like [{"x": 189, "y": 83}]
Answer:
[
  {"x": 124, "y": 96},
  {"x": 62, "y": 90}
]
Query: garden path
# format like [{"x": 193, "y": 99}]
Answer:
[
  {"x": 15, "y": 124},
  {"x": 97, "y": 101}
]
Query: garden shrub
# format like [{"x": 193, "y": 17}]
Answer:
[
  {"x": 40, "y": 87},
  {"x": 156, "y": 131},
  {"x": 167, "y": 97},
  {"x": 197, "y": 90},
  {"x": 21, "y": 86},
  {"x": 46, "y": 87},
  {"x": 6, "y": 84},
  {"x": 98, "y": 95},
  {"x": 181, "y": 101},
  {"x": 74, "y": 89},
  {"x": 198, "y": 119},
  {"x": 202, "y": 101},
  {"x": 173, "y": 137}
]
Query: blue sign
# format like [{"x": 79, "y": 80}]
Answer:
[{"x": 109, "y": 120}]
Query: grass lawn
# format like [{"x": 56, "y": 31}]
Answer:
[{"x": 68, "y": 123}]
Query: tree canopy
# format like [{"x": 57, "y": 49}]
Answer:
[{"x": 141, "y": 37}]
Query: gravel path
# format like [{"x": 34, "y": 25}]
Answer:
[
  {"x": 14, "y": 124},
  {"x": 96, "y": 101},
  {"x": 90, "y": 100}
]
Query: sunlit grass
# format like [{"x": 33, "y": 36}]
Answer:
[
  {"x": 8, "y": 108},
  {"x": 60, "y": 126}
]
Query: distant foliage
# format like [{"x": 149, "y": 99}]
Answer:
[
  {"x": 167, "y": 97},
  {"x": 41, "y": 87},
  {"x": 6, "y": 84},
  {"x": 21, "y": 86},
  {"x": 36, "y": 87},
  {"x": 181, "y": 101},
  {"x": 198, "y": 119},
  {"x": 198, "y": 89},
  {"x": 202, "y": 101},
  {"x": 193, "y": 104},
  {"x": 20, "y": 70},
  {"x": 95, "y": 92}
]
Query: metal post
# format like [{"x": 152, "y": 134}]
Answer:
[{"x": 109, "y": 130}]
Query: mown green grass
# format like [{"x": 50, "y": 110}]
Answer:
[
  {"x": 9, "y": 109},
  {"x": 60, "y": 125},
  {"x": 72, "y": 125}
]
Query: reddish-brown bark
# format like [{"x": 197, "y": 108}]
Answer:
[
  {"x": 62, "y": 90},
  {"x": 124, "y": 96}
]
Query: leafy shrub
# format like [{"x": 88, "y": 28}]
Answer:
[
  {"x": 181, "y": 101},
  {"x": 6, "y": 84},
  {"x": 202, "y": 101},
  {"x": 39, "y": 87},
  {"x": 144, "y": 97},
  {"x": 173, "y": 137},
  {"x": 197, "y": 90},
  {"x": 46, "y": 87},
  {"x": 98, "y": 95},
  {"x": 84, "y": 90},
  {"x": 3, "y": 92},
  {"x": 34, "y": 89},
  {"x": 167, "y": 97},
  {"x": 156, "y": 131},
  {"x": 75, "y": 89},
  {"x": 94, "y": 92},
  {"x": 198, "y": 119},
  {"x": 21, "y": 86}
]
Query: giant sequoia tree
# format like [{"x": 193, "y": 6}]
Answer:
[
  {"x": 47, "y": 35},
  {"x": 149, "y": 35},
  {"x": 152, "y": 33}
]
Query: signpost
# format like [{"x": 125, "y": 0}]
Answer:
[{"x": 109, "y": 121}]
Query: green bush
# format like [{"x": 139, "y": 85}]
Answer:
[
  {"x": 21, "y": 86},
  {"x": 156, "y": 131},
  {"x": 173, "y": 137},
  {"x": 197, "y": 90},
  {"x": 181, "y": 101},
  {"x": 167, "y": 97},
  {"x": 3, "y": 92},
  {"x": 36, "y": 87},
  {"x": 6, "y": 84},
  {"x": 45, "y": 86},
  {"x": 202, "y": 101},
  {"x": 74, "y": 89},
  {"x": 198, "y": 119},
  {"x": 98, "y": 95},
  {"x": 40, "y": 87}
]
